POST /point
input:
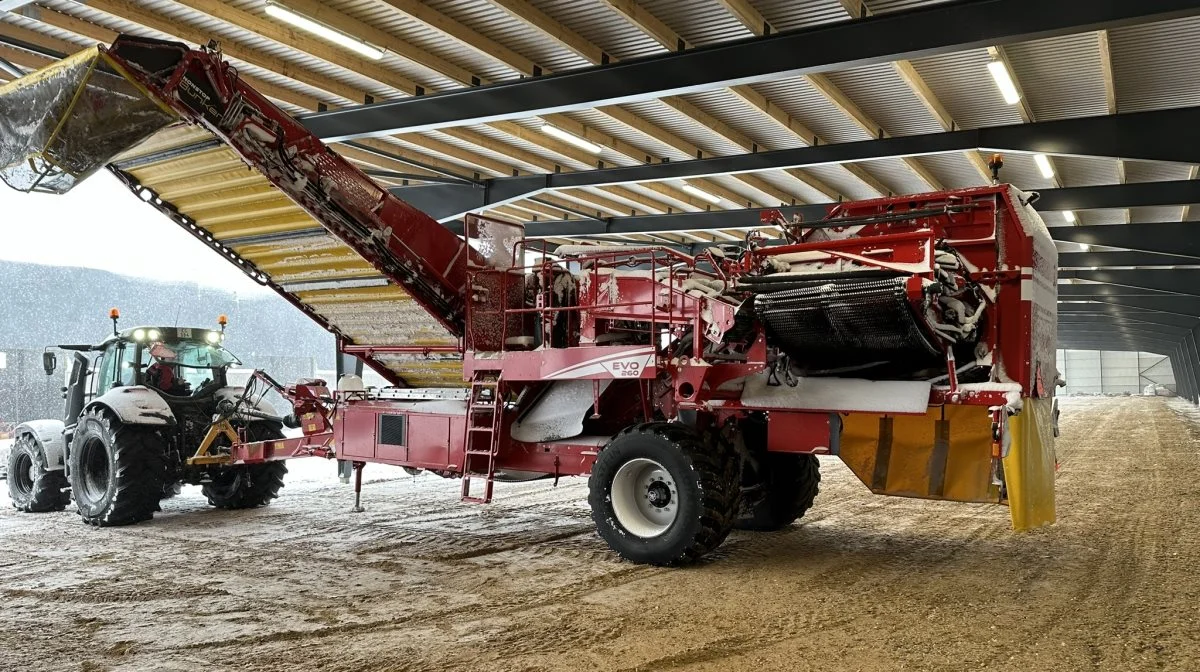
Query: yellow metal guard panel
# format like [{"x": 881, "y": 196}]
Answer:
[
  {"x": 1029, "y": 468},
  {"x": 944, "y": 454}
]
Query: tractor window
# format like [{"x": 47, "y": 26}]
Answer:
[
  {"x": 127, "y": 372},
  {"x": 107, "y": 370},
  {"x": 194, "y": 365}
]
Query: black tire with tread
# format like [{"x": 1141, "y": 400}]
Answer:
[
  {"x": 44, "y": 492},
  {"x": 249, "y": 485},
  {"x": 707, "y": 473},
  {"x": 791, "y": 482},
  {"x": 118, "y": 471}
]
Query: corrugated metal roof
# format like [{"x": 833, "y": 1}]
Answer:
[
  {"x": 1155, "y": 65},
  {"x": 796, "y": 14},
  {"x": 123, "y": 26},
  {"x": 1078, "y": 171},
  {"x": 896, "y": 175},
  {"x": 962, "y": 82},
  {"x": 699, "y": 22},
  {"x": 601, "y": 26},
  {"x": 887, "y": 99},
  {"x": 953, "y": 169},
  {"x": 793, "y": 185},
  {"x": 1105, "y": 217},
  {"x": 885, "y": 6},
  {"x": 497, "y": 24},
  {"x": 391, "y": 20},
  {"x": 753, "y": 123},
  {"x": 1062, "y": 77},
  {"x": 654, "y": 149},
  {"x": 806, "y": 105},
  {"x": 1145, "y": 215},
  {"x": 840, "y": 179},
  {"x": 1154, "y": 171},
  {"x": 697, "y": 134}
]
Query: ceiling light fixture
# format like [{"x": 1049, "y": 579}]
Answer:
[
  {"x": 291, "y": 16},
  {"x": 572, "y": 139},
  {"x": 701, "y": 194},
  {"x": 1069, "y": 216},
  {"x": 1004, "y": 81},
  {"x": 1043, "y": 164}
]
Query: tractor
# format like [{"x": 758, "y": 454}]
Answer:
[{"x": 147, "y": 410}]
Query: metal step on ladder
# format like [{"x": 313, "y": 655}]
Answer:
[{"x": 484, "y": 410}]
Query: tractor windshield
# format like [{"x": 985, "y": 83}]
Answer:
[{"x": 185, "y": 367}]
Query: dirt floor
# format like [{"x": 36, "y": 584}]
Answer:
[{"x": 420, "y": 582}]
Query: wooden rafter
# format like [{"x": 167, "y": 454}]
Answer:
[
  {"x": 1187, "y": 209},
  {"x": 908, "y": 72},
  {"x": 636, "y": 15},
  {"x": 520, "y": 64},
  {"x": 753, "y": 21},
  {"x": 1110, "y": 98}
]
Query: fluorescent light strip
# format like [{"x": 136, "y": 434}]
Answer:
[
  {"x": 701, "y": 194},
  {"x": 323, "y": 31},
  {"x": 1069, "y": 216},
  {"x": 1004, "y": 81},
  {"x": 571, "y": 139},
  {"x": 1043, "y": 164}
]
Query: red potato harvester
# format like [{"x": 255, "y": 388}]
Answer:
[{"x": 913, "y": 337}]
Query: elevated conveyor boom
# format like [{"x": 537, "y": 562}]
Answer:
[{"x": 187, "y": 135}]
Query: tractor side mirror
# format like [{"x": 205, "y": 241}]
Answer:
[{"x": 49, "y": 362}]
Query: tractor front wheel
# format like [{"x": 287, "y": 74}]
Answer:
[
  {"x": 118, "y": 471},
  {"x": 246, "y": 486},
  {"x": 662, "y": 495},
  {"x": 31, "y": 487}
]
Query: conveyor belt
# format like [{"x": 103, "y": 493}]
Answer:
[{"x": 206, "y": 181}]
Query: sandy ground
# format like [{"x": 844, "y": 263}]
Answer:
[{"x": 420, "y": 582}]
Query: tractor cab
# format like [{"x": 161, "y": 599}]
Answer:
[{"x": 180, "y": 363}]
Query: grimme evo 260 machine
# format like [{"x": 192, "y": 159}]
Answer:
[{"x": 913, "y": 337}]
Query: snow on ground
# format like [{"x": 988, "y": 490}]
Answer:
[{"x": 5, "y": 445}]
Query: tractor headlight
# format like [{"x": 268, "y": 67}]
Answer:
[
  {"x": 154, "y": 334},
  {"x": 212, "y": 337},
  {"x": 139, "y": 334}
]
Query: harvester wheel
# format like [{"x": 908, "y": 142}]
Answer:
[
  {"x": 661, "y": 495},
  {"x": 247, "y": 486},
  {"x": 782, "y": 489},
  {"x": 118, "y": 471},
  {"x": 31, "y": 487}
]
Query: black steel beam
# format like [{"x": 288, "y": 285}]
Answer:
[
  {"x": 1175, "y": 305},
  {"x": 1150, "y": 136},
  {"x": 1173, "y": 238},
  {"x": 1184, "y": 281},
  {"x": 940, "y": 29},
  {"x": 1090, "y": 290},
  {"x": 1088, "y": 260},
  {"x": 1139, "y": 194},
  {"x": 1076, "y": 198},
  {"x": 1071, "y": 311}
]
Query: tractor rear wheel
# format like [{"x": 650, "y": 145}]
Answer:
[
  {"x": 661, "y": 494},
  {"x": 246, "y": 486},
  {"x": 31, "y": 487},
  {"x": 118, "y": 471},
  {"x": 780, "y": 490}
]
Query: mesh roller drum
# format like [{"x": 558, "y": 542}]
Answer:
[{"x": 845, "y": 322}]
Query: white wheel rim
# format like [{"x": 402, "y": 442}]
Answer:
[{"x": 645, "y": 499}]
